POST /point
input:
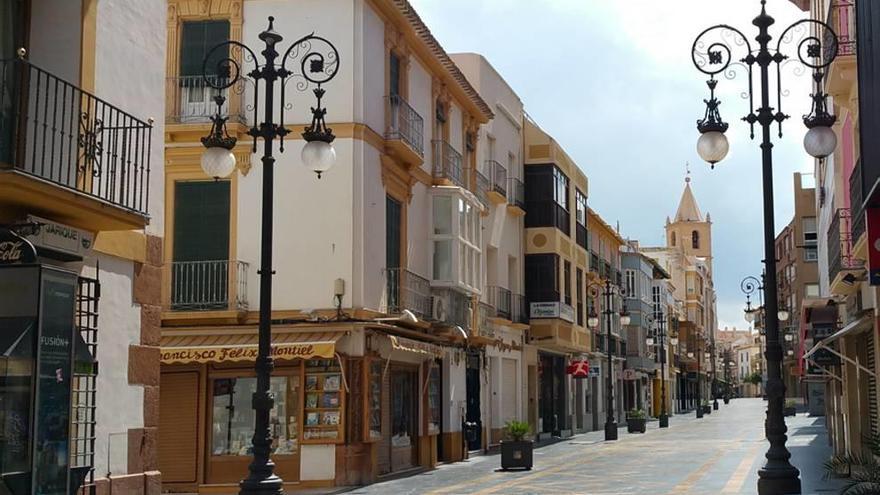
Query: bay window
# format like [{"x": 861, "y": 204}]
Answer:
[{"x": 456, "y": 239}]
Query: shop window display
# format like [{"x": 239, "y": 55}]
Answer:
[
  {"x": 233, "y": 425},
  {"x": 323, "y": 401}
]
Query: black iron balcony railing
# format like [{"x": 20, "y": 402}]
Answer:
[
  {"x": 189, "y": 100},
  {"x": 842, "y": 19},
  {"x": 209, "y": 285},
  {"x": 405, "y": 124},
  {"x": 447, "y": 163},
  {"x": 483, "y": 185},
  {"x": 516, "y": 193},
  {"x": 51, "y": 129},
  {"x": 500, "y": 299},
  {"x": 856, "y": 199},
  {"x": 840, "y": 252},
  {"x": 519, "y": 309},
  {"x": 484, "y": 327},
  {"x": 406, "y": 290},
  {"x": 498, "y": 176}
]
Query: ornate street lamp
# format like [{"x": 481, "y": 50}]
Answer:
[
  {"x": 660, "y": 332},
  {"x": 593, "y": 321},
  {"x": 316, "y": 61},
  {"x": 712, "y": 54}
]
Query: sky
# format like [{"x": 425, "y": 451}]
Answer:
[{"x": 613, "y": 82}]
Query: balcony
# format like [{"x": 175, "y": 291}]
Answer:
[
  {"x": 516, "y": 196},
  {"x": 519, "y": 309},
  {"x": 581, "y": 235},
  {"x": 500, "y": 299},
  {"x": 405, "y": 131},
  {"x": 859, "y": 222},
  {"x": 594, "y": 262},
  {"x": 448, "y": 168},
  {"x": 483, "y": 187},
  {"x": 484, "y": 326},
  {"x": 216, "y": 285},
  {"x": 406, "y": 290},
  {"x": 68, "y": 155},
  {"x": 190, "y": 100},
  {"x": 841, "y": 75},
  {"x": 843, "y": 267},
  {"x": 498, "y": 179}
]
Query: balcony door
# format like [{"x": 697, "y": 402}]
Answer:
[
  {"x": 200, "y": 267},
  {"x": 13, "y": 35},
  {"x": 393, "y": 237},
  {"x": 198, "y": 38}
]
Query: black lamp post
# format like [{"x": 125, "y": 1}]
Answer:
[
  {"x": 714, "y": 374},
  {"x": 712, "y": 54},
  {"x": 593, "y": 322},
  {"x": 699, "y": 353},
  {"x": 660, "y": 332},
  {"x": 316, "y": 61}
]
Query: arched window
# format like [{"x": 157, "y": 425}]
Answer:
[
  {"x": 695, "y": 240},
  {"x": 673, "y": 238}
]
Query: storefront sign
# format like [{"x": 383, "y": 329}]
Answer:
[
  {"x": 553, "y": 309},
  {"x": 824, "y": 357},
  {"x": 15, "y": 249},
  {"x": 630, "y": 374},
  {"x": 595, "y": 371},
  {"x": 578, "y": 369},
  {"x": 60, "y": 238},
  {"x": 873, "y": 233},
  {"x": 245, "y": 352},
  {"x": 416, "y": 346}
]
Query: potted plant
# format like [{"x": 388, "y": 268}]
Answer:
[
  {"x": 789, "y": 409},
  {"x": 707, "y": 408},
  {"x": 636, "y": 421},
  {"x": 516, "y": 450}
]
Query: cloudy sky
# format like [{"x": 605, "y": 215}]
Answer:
[{"x": 613, "y": 82}]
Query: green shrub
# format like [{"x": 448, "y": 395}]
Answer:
[
  {"x": 636, "y": 414},
  {"x": 517, "y": 430}
]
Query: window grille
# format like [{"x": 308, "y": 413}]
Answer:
[{"x": 84, "y": 386}]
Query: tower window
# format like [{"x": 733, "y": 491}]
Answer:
[
  {"x": 695, "y": 240},
  {"x": 673, "y": 239}
]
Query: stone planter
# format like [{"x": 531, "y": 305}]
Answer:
[
  {"x": 707, "y": 409},
  {"x": 727, "y": 400},
  {"x": 636, "y": 425},
  {"x": 516, "y": 454}
]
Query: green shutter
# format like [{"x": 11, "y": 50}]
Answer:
[
  {"x": 201, "y": 221},
  {"x": 197, "y": 39}
]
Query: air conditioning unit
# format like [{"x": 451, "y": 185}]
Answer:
[{"x": 440, "y": 306}]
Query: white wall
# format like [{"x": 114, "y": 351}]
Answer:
[
  {"x": 131, "y": 35},
  {"x": 120, "y": 405}
]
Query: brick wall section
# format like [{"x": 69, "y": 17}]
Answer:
[{"x": 143, "y": 369}]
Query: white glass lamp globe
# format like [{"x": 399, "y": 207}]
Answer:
[
  {"x": 820, "y": 141},
  {"x": 673, "y": 340},
  {"x": 750, "y": 316},
  {"x": 790, "y": 352},
  {"x": 593, "y": 322},
  {"x": 318, "y": 156},
  {"x": 782, "y": 315},
  {"x": 218, "y": 162},
  {"x": 649, "y": 341},
  {"x": 690, "y": 354},
  {"x": 789, "y": 337},
  {"x": 625, "y": 319},
  {"x": 712, "y": 146}
]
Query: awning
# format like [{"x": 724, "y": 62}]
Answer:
[
  {"x": 415, "y": 346},
  {"x": 225, "y": 347},
  {"x": 856, "y": 326}
]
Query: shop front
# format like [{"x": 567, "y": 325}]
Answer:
[
  {"x": 351, "y": 405},
  {"x": 553, "y": 386}
]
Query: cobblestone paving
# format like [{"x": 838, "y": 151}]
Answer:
[{"x": 718, "y": 454}]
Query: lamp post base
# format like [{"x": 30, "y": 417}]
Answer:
[
  {"x": 610, "y": 430},
  {"x": 779, "y": 481},
  {"x": 664, "y": 421},
  {"x": 699, "y": 411},
  {"x": 268, "y": 486},
  {"x": 715, "y": 404}
]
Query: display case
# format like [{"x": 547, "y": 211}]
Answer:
[
  {"x": 324, "y": 403},
  {"x": 373, "y": 400}
]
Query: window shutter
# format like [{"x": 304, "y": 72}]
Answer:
[
  {"x": 197, "y": 39},
  {"x": 394, "y": 75},
  {"x": 201, "y": 221}
]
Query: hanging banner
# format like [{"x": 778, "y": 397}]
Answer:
[
  {"x": 578, "y": 369},
  {"x": 873, "y": 233}
]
